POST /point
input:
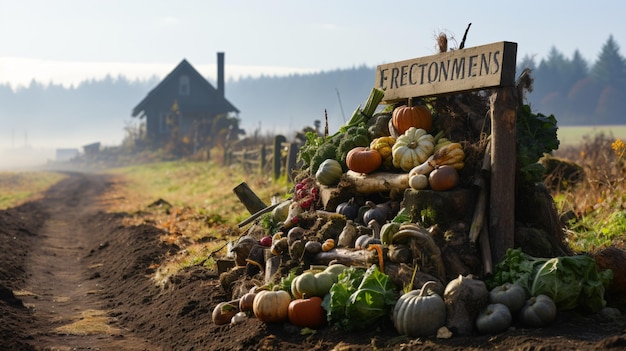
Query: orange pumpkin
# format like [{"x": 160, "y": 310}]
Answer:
[
  {"x": 405, "y": 117},
  {"x": 443, "y": 178},
  {"x": 328, "y": 245},
  {"x": 271, "y": 306},
  {"x": 363, "y": 160},
  {"x": 246, "y": 302},
  {"x": 307, "y": 313}
]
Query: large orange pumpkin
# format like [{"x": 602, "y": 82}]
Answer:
[
  {"x": 363, "y": 160},
  {"x": 405, "y": 117}
]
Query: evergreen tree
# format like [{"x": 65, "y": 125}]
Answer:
[
  {"x": 610, "y": 68},
  {"x": 550, "y": 73},
  {"x": 576, "y": 69},
  {"x": 609, "y": 72}
]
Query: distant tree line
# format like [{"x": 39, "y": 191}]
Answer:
[{"x": 577, "y": 92}]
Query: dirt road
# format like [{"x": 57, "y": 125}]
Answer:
[
  {"x": 74, "y": 277},
  {"x": 67, "y": 310}
]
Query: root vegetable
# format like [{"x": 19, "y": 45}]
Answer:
[
  {"x": 424, "y": 241},
  {"x": 418, "y": 182},
  {"x": 224, "y": 311},
  {"x": 238, "y": 318}
]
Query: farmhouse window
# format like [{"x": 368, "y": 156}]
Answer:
[
  {"x": 169, "y": 121},
  {"x": 184, "y": 88}
]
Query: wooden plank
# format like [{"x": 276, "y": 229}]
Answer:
[
  {"x": 476, "y": 68},
  {"x": 504, "y": 103},
  {"x": 252, "y": 202}
]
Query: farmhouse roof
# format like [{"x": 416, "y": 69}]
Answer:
[{"x": 215, "y": 102}]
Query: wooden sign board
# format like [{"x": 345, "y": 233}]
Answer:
[{"x": 475, "y": 68}]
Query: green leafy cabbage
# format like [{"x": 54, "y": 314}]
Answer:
[
  {"x": 571, "y": 281},
  {"x": 360, "y": 298}
]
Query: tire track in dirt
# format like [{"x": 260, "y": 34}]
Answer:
[{"x": 60, "y": 289}]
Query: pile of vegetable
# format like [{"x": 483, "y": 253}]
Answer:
[
  {"x": 366, "y": 261},
  {"x": 358, "y": 298}
]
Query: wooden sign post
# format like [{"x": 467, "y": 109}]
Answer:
[{"x": 489, "y": 66}]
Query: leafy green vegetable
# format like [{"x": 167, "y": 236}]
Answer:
[
  {"x": 403, "y": 216},
  {"x": 536, "y": 135},
  {"x": 285, "y": 282},
  {"x": 516, "y": 267},
  {"x": 310, "y": 147},
  {"x": 317, "y": 148},
  {"x": 360, "y": 298},
  {"x": 571, "y": 281}
]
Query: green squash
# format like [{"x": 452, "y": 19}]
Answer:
[
  {"x": 493, "y": 319},
  {"x": 335, "y": 269},
  {"x": 419, "y": 312},
  {"x": 538, "y": 311},
  {"x": 387, "y": 232},
  {"x": 329, "y": 172},
  {"x": 309, "y": 284},
  {"x": 511, "y": 295}
]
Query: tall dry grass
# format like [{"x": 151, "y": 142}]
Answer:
[{"x": 599, "y": 200}]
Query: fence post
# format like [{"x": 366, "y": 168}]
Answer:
[
  {"x": 278, "y": 142},
  {"x": 291, "y": 159},
  {"x": 227, "y": 155},
  {"x": 243, "y": 160},
  {"x": 263, "y": 160}
]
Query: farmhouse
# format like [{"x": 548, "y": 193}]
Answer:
[{"x": 184, "y": 104}]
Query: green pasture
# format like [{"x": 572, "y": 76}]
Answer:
[{"x": 574, "y": 135}]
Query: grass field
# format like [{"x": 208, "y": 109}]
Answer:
[
  {"x": 574, "y": 135},
  {"x": 18, "y": 187}
]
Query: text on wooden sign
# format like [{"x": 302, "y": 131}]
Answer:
[{"x": 455, "y": 71}]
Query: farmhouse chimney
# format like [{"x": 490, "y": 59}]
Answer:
[{"x": 220, "y": 73}]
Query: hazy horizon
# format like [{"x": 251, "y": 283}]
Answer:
[{"x": 67, "y": 42}]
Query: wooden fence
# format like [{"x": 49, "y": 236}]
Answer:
[{"x": 279, "y": 158}]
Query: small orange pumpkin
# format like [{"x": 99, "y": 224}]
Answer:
[
  {"x": 246, "y": 302},
  {"x": 364, "y": 160},
  {"x": 443, "y": 178},
  {"x": 405, "y": 117},
  {"x": 328, "y": 245},
  {"x": 307, "y": 313}
]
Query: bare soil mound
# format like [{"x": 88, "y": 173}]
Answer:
[{"x": 63, "y": 256}]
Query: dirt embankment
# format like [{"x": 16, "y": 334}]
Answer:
[{"x": 73, "y": 277}]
